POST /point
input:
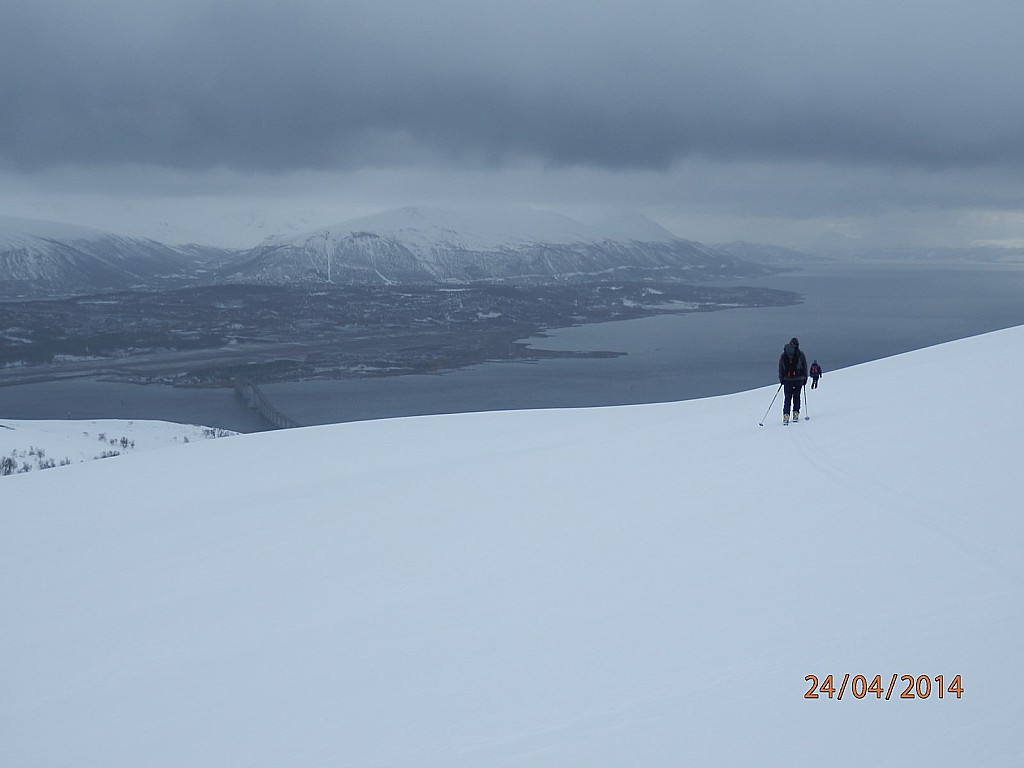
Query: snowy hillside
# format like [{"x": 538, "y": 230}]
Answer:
[
  {"x": 430, "y": 245},
  {"x": 50, "y": 257},
  {"x": 631, "y": 586},
  {"x": 26, "y": 446}
]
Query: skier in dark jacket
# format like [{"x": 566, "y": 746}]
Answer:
[
  {"x": 815, "y": 374},
  {"x": 792, "y": 376}
]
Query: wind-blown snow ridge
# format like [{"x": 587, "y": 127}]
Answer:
[{"x": 641, "y": 585}]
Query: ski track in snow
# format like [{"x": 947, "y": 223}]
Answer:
[{"x": 911, "y": 502}]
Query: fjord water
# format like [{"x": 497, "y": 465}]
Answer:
[
  {"x": 850, "y": 314},
  {"x": 77, "y": 399}
]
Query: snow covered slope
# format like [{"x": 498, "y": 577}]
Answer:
[
  {"x": 632, "y": 586},
  {"x": 429, "y": 245},
  {"x": 50, "y": 257},
  {"x": 32, "y": 445}
]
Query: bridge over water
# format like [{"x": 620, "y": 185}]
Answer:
[{"x": 256, "y": 399}]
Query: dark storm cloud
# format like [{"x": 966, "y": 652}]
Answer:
[{"x": 280, "y": 86}]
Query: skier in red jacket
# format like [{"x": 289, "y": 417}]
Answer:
[{"x": 815, "y": 374}]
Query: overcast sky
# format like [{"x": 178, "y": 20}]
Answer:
[{"x": 799, "y": 122}]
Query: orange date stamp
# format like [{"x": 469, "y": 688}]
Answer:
[{"x": 898, "y": 686}]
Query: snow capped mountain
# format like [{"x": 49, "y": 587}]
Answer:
[
  {"x": 423, "y": 229},
  {"x": 435, "y": 245},
  {"x": 656, "y": 585},
  {"x": 49, "y": 257},
  {"x": 409, "y": 245}
]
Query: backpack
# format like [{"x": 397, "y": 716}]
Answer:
[{"x": 793, "y": 367}]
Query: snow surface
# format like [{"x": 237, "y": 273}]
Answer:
[
  {"x": 34, "y": 442},
  {"x": 485, "y": 229},
  {"x": 629, "y": 586}
]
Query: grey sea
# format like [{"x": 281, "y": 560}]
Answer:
[{"x": 850, "y": 314}]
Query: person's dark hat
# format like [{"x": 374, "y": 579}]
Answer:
[{"x": 794, "y": 342}]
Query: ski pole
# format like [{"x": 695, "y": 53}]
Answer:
[
  {"x": 807, "y": 409},
  {"x": 761, "y": 422}
]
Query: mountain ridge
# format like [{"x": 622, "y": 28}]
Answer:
[
  {"x": 44, "y": 257},
  {"x": 438, "y": 245},
  {"x": 405, "y": 245}
]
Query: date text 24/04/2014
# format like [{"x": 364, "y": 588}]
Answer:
[{"x": 860, "y": 687}]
